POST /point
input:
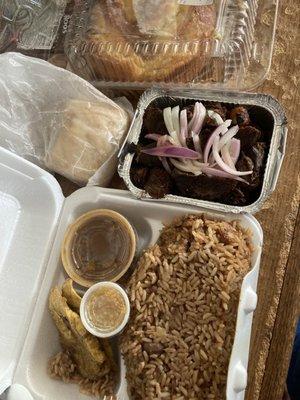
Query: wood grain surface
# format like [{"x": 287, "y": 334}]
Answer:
[{"x": 279, "y": 281}]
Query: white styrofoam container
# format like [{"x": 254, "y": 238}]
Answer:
[{"x": 36, "y": 216}]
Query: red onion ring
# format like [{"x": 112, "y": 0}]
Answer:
[
  {"x": 172, "y": 151},
  {"x": 235, "y": 149},
  {"x": 167, "y": 113},
  {"x": 196, "y": 141},
  {"x": 221, "y": 128},
  {"x": 200, "y": 119},
  {"x": 222, "y": 174},
  {"x": 228, "y": 136},
  {"x": 153, "y": 136},
  {"x": 195, "y": 113},
  {"x": 175, "y": 120},
  {"x": 183, "y": 127},
  {"x": 226, "y": 156},
  {"x": 165, "y": 164},
  {"x": 222, "y": 164}
]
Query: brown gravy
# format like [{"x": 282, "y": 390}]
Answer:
[{"x": 100, "y": 246}]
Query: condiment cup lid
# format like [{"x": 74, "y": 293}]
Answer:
[
  {"x": 67, "y": 246},
  {"x": 83, "y": 309}
]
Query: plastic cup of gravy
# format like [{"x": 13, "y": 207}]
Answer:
[
  {"x": 98, "y": 246},
  {"x": 105, "y": 309}
]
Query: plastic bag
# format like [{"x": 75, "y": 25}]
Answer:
[{"x": 59, "y": 121}]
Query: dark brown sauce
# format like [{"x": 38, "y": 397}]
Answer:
[{"x": 99, "y": 247}]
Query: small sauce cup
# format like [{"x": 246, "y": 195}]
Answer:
[
  {"x": 99, "y": 246},
  {"x": 105, "y": 309}
]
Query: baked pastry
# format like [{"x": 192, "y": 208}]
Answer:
[
  {"x": 147, "y": 40},
  {"x": 89, "y": 135}
]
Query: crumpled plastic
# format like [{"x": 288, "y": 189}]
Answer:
[
  {"x": 58, "y": 121},
  {"x": 30, "y": 24},
  {"x": 156, "y": 17}
]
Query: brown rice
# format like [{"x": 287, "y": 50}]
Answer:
[
  {"x": 184, "y": 297},
  {"x": 63, "y": 367}
]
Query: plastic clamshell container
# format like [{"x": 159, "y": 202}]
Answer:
[
  {"x": 34, "y": 27},
  {"x": 174, "y": 97},
  {"x": 28, "y": 336},
  {"x": 119, "y": 48}
]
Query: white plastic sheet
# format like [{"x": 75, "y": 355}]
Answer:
[{"x": 59, "y": 121}]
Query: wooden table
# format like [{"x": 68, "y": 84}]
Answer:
[{"x": 279, "y": 281}]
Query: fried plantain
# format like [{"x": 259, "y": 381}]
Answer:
[
  {"x": 70, "y": 294},
  {"x": 86, "y": 350}
]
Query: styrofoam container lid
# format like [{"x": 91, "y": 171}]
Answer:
[{"x": 30, "y": 204}]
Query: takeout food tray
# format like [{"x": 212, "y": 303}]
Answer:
[
  {"x": 37, "y": 216},
  {"x": 270, "y": 112},
  {"x": 236, "y": 55}
]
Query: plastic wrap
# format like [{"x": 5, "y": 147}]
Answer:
[{"x": 58, "y": 121}]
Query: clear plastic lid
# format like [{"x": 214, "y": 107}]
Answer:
[
  {"x": 188, "y": 43},
  {"x": 98, "y": 246},
  {"x": 34, "y": 27}
]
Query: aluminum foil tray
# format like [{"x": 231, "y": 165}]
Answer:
[{"x": 267, "y": 106}]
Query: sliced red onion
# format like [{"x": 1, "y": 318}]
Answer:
[
  {"x": 153, "y": 136},
  {"x": 165, "y": 164},
  {"x": 230, "y": 152},
  {"x": 211, "y": 160},
  {"x": 200, "y": 119},
  {"x": 228, "y": 136},
  {"x": 183, "y": 127},
  {"x": 198, "y": 164},
  {"x": 196, "y": 142},
  {"x": 162, "y": 140},
  {"x": 215, "y": 116},
  {"x": 175, "y": 120},
  {"x": 172, "y": 151},
  {"x": 165, "y": 140},
  {"x": 222, "y": 174},
  {"x": 221, "y": 128},
  {"x": 197, "y": 168},
  {"x": 175, "y": 138},
  {"x": 226, "y": 156},
  {"x": 222, "y": 164},
  {"x": 235, "y": 149},
  {"x": 195, "y": 113},
  {"x": 168, "y": 119},
  {"x": 186, "y": 166}
]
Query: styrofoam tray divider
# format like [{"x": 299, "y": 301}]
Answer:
[{"x": 31, "y": 381}]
